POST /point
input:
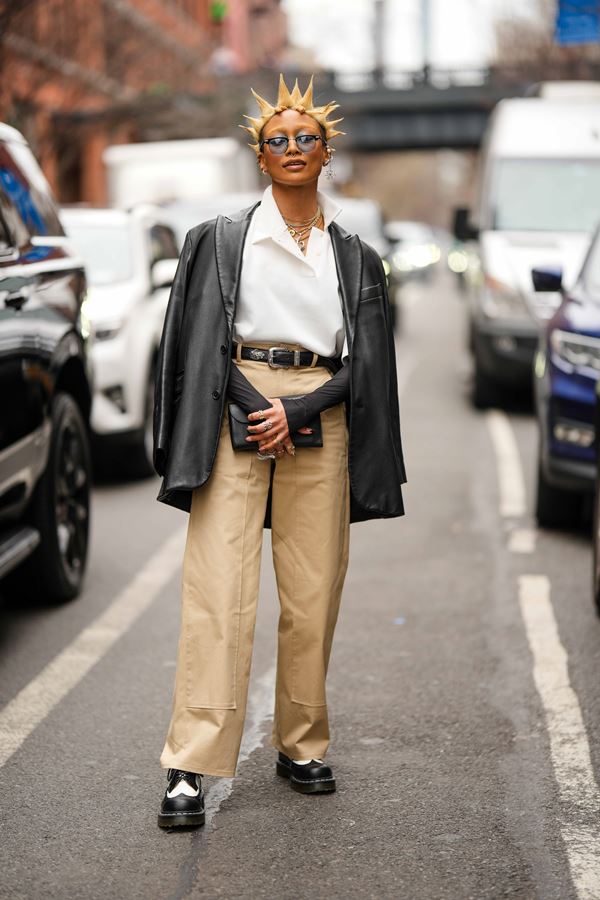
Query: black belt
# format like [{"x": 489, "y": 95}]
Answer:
[{"x": 281, "y": 358}]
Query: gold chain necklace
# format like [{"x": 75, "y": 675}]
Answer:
[{"x": 300, "y": 230}]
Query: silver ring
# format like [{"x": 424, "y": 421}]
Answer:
[{"x": 268, "y": 425}]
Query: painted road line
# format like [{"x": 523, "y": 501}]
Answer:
[
  {"x": 569, "y": 746},
  {"x": 511, "y": 483},
  {"x": 260, "y": 713},
  {"x": 38, "y": 698},
  {"x": 522, "y": 540}
]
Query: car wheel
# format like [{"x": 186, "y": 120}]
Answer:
[
  {"x": 596, "y": 546},
  {"x": 60, "y": 510},
  {"x": 556, "y": 507},
  {"x": 139, "y": 461},
  {"x": 485, "y": 392}
]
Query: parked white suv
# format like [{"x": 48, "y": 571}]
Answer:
[{"x": 130, "y": 259}]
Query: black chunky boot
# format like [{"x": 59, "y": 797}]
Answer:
[
  {"x": 183, "y": 803},
  {"x": 314, "y": 777}
]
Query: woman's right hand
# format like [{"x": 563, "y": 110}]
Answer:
[{"x": 277, "y": 437}]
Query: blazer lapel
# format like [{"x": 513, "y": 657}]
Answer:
[
  {"x": 349, "y": 262},
  {"x": 230, "y": 234}
]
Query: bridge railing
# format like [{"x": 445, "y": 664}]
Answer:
[{"x": 443, "y": 78}]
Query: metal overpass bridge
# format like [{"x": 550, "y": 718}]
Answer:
[{"x": 428, "y": 109}]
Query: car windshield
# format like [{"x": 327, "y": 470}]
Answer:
[
  {"x": 545, "y": 195},
  {"x": 105, "y": 248}
]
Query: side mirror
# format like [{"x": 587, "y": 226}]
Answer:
[
  {"x": 547, "y": 279},
  {"x": 163, "y": 273},
  {"x": 462, "y": 228}
]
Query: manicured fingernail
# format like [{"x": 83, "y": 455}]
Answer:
[{"x": 248, "y": 439}]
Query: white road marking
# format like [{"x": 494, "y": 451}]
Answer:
[
  {"x": 522, "y": 540},
  {"x": 38, "y": 698},
  {"x": 510, "y": 474},
  {"x": 569, "y": 746},
  {"x": 260, "y": 712}
]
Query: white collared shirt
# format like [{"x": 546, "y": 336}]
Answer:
[{"x": 286, "y": 297}]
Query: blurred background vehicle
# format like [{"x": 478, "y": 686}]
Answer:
[
  {"x": 184, "y": 214},
  {"x": 131, "y": 258},
  {"x": 161, "y": 171},
  {"x": 596, "y": 508},
  {"x": 45, "y": 393},
  {"x": 364, "y": 217},
  {"x": 415, "y": 250},
  {"x": 538, "y": 204},
  {"x": 567, "y": 369}
]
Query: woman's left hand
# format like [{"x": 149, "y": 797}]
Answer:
[{"x": 277, "y": 436}]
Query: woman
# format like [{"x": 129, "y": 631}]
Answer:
[{"x": 274, "y": 303}]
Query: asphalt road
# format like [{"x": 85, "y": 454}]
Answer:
[{"x": 465, "y": 725}]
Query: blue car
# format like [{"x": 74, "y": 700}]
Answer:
[{"x": 567, "y": 369}]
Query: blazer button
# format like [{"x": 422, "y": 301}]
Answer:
[
  {"x": 223, "y": 349},
  {"x": 216, "y": 395}
]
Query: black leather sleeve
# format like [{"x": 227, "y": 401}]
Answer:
[
  {"x": 164, "y": 389},
  {"x": 393, "y": 391},
  {"x": 242, "y": 392}
]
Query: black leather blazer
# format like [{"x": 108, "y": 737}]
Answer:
[{"x": 195, "y": 355}]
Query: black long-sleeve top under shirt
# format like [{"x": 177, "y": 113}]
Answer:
[{"x": 298, "y": 411}]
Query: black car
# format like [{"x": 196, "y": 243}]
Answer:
[{"x": 45, "y": 394}]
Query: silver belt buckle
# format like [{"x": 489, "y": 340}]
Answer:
[{"x": 271, "y": 359}]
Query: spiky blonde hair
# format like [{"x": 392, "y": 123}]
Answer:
[{"x": 302, "y": 103}]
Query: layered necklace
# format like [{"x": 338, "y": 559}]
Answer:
[{"x": 301, "y": 230}]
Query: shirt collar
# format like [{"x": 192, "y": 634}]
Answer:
[{"x": 268, "y": 221}]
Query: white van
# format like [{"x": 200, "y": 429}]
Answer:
[{"x": 539, "y": 202}]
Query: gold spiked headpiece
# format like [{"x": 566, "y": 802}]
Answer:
[{"x": 302, "y": 103}]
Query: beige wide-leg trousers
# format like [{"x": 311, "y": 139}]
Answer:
[{"x": 310, "y": 531}]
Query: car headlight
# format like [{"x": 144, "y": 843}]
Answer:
[
  {"x": 458, "y": 261},
  {"x": 401, "y": 261},
  {"x": 575, "y": 352},
  {"x": 500, "y": 301}
]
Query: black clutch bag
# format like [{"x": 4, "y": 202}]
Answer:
[{"x": 238, "y": 429}]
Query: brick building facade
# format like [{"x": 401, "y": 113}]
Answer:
[{"x": 77, "y": 75}]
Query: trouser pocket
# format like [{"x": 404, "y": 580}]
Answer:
[{"x": 210, "y": 671}]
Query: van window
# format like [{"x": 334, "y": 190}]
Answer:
[{"x": 545, "y": 195}]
